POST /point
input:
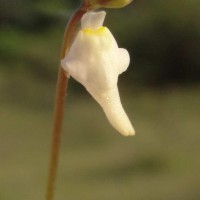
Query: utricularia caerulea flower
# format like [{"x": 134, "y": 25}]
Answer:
[{"x": 95, "y": 60}]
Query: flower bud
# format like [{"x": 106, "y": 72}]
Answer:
[{"x": 109, "y": 3}]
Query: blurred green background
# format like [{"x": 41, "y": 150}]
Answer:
[{"x": 160, "y": 92}]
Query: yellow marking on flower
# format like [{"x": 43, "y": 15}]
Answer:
[{"x": 98, "y": 31}]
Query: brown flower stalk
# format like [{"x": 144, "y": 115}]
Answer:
[{"x": 61, "y": 88}]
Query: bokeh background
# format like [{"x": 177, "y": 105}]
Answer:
[{"x": 160, "y": 92}]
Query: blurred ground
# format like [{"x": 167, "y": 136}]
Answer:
[{"x": 161, "y": 162}]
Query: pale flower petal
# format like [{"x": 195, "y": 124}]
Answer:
[
  {"x": 124, "y": 61},
  {"x": 93, "y": 20},
  {"x": 95, "y": 61}
]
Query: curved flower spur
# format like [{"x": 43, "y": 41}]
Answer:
[{"x": 95, "y": 61}]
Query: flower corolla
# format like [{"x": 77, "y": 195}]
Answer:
[{"x": 95, "y": 60}]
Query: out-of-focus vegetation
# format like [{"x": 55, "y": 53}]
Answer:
[
  {"x": 160, "y": 163},
  {"x": 163, "y": 38}
]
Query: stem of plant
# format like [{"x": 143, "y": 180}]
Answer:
[{"x": 61, "y": 88}]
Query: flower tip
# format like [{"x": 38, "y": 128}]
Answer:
[{"x": 129, "y": 131}]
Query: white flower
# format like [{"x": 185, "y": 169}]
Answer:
[{"x": 95, "y": 61}]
